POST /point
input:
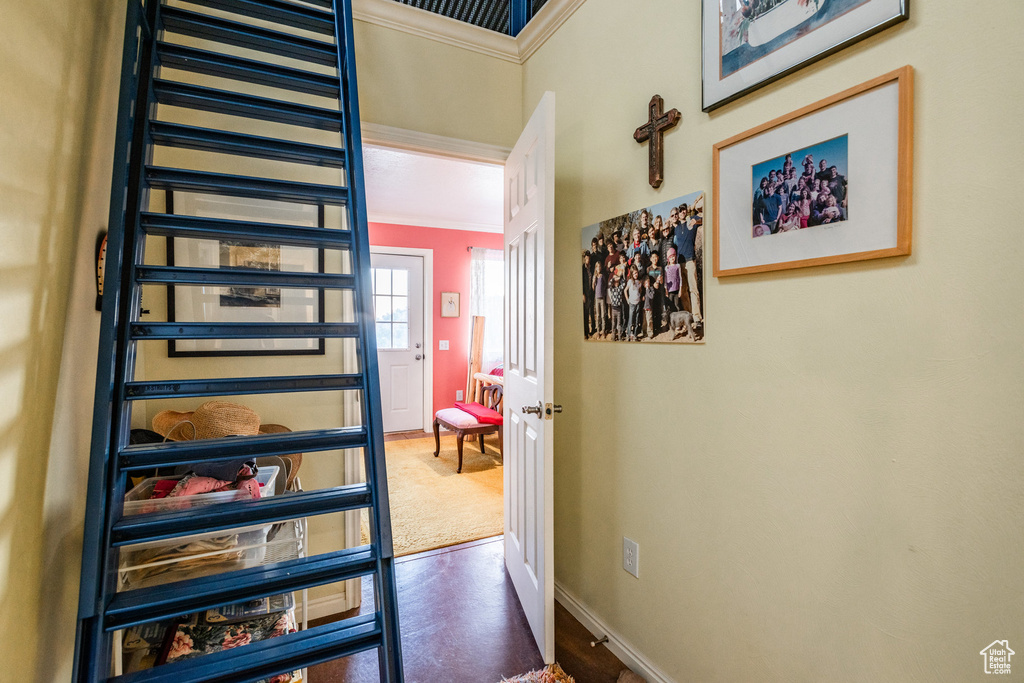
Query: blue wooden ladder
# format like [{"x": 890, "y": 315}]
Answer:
[{"x": 305, "y": 47}]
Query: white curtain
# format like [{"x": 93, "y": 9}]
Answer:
[{"x": 487, "y": 298}]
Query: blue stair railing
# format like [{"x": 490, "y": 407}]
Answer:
[{"x": 217, "y": 38}]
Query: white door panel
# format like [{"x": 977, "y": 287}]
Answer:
[
  {"x": 398, "y": 309},
  {"x": 529, "y": 249}
]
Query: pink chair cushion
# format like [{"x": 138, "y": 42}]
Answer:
[
  {"x": 459, "y": 419},
  {"x": 481, "y": 413}
]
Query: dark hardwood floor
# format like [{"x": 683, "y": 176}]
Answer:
[{"x": 462, "y": 623}]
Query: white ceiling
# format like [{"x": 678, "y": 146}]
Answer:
[{"x": 410, "y": 188}]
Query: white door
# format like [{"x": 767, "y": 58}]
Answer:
[
  {"x": 398, "y": 310},
  {"x": 529, "y": 304}
]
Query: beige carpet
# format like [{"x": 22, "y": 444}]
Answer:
[{"x": 431, "y": 505}]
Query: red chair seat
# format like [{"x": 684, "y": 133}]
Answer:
[{"x": 481, "y": 413}]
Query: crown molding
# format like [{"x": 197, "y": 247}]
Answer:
[
  {"x": 428, "y": 143},
  {"x": 549, "y": 19},
  {"x": 418, "y": 22}
]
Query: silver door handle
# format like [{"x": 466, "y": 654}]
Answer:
[
  {"x": 555, "y": 408},
  {"x": 419, "y": 356},
  {"x": 534, "y": 410}
]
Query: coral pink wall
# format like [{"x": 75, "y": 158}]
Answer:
[{"x": 451, "y": 274}]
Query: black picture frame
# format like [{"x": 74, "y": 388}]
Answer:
[
  {"x": 172, "y": 350},
  {"x": 715, "y": 95}
]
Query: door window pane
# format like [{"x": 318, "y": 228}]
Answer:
[
  {"x": 400, "y": 309},
  {"x": 401, "y": 336},
  {"x": 382, "y": 308},
  {"x": 383, "y": 335}
]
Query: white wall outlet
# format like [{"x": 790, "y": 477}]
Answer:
[
  {"x": 631, "y": 556},
  {"x": 458, "y": 395},
  {"x": 442, "y": 345}
]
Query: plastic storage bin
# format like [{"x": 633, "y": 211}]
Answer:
[{"x": 137, "y": 501}]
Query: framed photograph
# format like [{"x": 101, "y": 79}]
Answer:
[
  {"x": 449, "y": 304},
  {"x": 750, "y": 43},
  {"x": 197, "y": 303},
  {"x": 643, "y": 274},
  {"x": 828, "y": 183}
]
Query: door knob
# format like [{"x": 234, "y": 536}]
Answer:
[
  {"x": 419, "y": 356},
  {"x": 417, "y": 345},
  {"x": 534, "y": 410}
]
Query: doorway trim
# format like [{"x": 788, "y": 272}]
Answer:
[{"x": 428, "y": 322}]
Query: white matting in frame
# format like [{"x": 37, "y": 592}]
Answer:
[
  {"x": 215, "y": 304},
  {"x": 876, "y": 117}
]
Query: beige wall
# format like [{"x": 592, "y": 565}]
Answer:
[
  {"x": 58, "y": 81},
  {"x": 829, "y": 489},
  {"x": 410, "y": 82}
]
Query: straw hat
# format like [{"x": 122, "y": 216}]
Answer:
[{"x": 211, "y": 420}]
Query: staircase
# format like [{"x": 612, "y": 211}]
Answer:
[{"x": 178, "y": 56}]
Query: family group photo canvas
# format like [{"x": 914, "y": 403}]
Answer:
[{"x": 643, "y": 274}]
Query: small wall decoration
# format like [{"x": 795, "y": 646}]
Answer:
[
  {"x": 244, "y": 304},
  {"x": 449, "y": 304},
  {"x": 101, "y": 266},
  {"x": 643, "y": 274},
  {"x": 653, "y": 132},
  {"x": 750, "y": 43},
  {"x": 828, "y": 183}
]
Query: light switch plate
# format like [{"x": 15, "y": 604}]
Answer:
[{"x": 442, "y": 345}]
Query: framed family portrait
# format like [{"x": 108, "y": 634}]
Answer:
[
  {"x": 828, "y": 183},
  {"x": 750, "y": 43},
  {"x": 643, "y": 274},
  {"x": 218, "y": 304}
]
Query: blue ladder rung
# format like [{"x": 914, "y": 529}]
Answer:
[
  {"x": 176, "y": 94},
  {"x": 284, "y": 13},
  {"x": 143, "y": 605},
  {"x": 194, "y": 227},
  {"x": 238, "y": 34},
  {"x": 241, "y": 186},
  {"x": 269, "y": 657},
  {"x": 231, "y": 277},
  {"x": 240, "y": 144},
  {"x": 241, "y": 386},
  {"x": 161, "y": 526},
  {"x": 164, "y": 330},
  {"x": 170, "y": 454},
  {"x": 226, "y": 66}
]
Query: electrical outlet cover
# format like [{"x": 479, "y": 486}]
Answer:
[
  {"x": 458, "y": 395},
  {"x": 631, "y": 556},
  {"x": 442, "y": 345}
]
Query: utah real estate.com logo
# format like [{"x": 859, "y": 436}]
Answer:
[{"x": 997, "y": 657}]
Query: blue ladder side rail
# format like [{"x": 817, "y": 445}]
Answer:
[{"x": 149, "y": 49}]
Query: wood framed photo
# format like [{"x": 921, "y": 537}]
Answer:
[
  {"x": 828, "y": 183},
  {"x": 187, "y": 303},
  {"x": 449, "y": 304},
  {"x": 747, "y": 44}
]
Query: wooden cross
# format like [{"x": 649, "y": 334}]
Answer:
[{"x": 653, "y": 130}]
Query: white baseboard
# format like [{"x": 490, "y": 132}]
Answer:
[
  {"x": 619, "y": 646},
  {"x": 323, "y": 607}
]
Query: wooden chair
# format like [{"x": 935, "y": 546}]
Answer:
[{"x": 465, "y": 424}]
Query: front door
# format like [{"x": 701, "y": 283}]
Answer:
[
  {"x": 529, "y": 303},
  {"x": 398, "y": 311}
]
